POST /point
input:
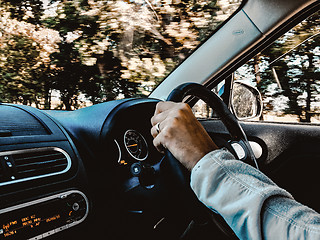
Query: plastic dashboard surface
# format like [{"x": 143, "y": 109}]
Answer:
[
  {"x": 96, "y": 152},
  {"x": 38, "y": 162}
]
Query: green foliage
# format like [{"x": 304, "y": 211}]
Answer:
[
  {"x": 103, "y": 49},
  {"x": 22, "y": 71},
  {"x": 30, "y": 11}
]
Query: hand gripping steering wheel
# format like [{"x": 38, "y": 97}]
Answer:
[
  {"x": 178, "y": 173},
  {"x": 227, "y": 118}
]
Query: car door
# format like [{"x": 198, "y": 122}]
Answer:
[{"x": 287, "y": 133}]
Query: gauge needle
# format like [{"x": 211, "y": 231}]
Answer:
[{"x": 133, "y": 145}]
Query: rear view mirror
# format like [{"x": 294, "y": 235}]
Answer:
[{"x": 246, "y": 101}]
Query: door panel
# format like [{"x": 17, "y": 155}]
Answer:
[{"x": 291, "y": 155}]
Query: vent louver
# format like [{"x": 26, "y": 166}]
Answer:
[
  {"x": 1, "y": 173},
  {"x": 22, "y": 165}
]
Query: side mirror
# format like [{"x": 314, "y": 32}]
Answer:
[{"x": 246, "y": 101}]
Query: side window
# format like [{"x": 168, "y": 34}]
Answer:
[
  {"x": 287, "y": 74},
  {"x": 201, "y": 110}
]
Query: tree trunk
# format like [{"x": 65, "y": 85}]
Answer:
[{"x": 309, "y": 90}]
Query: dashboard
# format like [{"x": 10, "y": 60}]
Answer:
[
  {"x": 42, "y": 178},
  {"x": 87, "y": 173},
  {"x": 62, "y": 170},
  {"x": 121, "y": 163},
  {"x": 90, "y": 172}
]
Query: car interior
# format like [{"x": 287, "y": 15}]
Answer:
[{"x": 94, "y": 172}]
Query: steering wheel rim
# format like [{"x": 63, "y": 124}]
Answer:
[
  {"x": 181, "y": 175},
  {"x": 228, "y": 119}
]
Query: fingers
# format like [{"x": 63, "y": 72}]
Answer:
[
  {"x": 158, "y": 118},
  {"x": 164, "y": 106},
  {"x": 154, "y": 131},
  {"x": 157, "y": 142},
  {"x": 159, "y": 136},
  {"x": 180, "y": 132},
  {"x": 160, "y": 115},
  {"x": 163, "y": 109},
  {"x": 166, "y": 115},
  {"x": 161, "y": 112}
]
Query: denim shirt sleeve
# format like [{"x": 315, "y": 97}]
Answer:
[{"x": 252, "y": 205}]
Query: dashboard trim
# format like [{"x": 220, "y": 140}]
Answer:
[{"x": 31, "y": 150}]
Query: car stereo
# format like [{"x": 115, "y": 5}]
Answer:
[{"x": 43, "y": 217}]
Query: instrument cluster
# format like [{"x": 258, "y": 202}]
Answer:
[
  {"x": 135, "y": 147},
  {"x": 138, "y": 158}
]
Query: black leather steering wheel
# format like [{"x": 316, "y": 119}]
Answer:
[
  {"x": 179, "y": 173},
  {"x": 228, "y": 119}
]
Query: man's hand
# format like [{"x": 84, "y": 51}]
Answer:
[{"x": 180, "y": 133}]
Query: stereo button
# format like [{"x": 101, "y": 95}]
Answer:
[{"x": 75, "y": 206}]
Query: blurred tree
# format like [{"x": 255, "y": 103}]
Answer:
[
  {"x": 296, "y": 54},
  {"x": 155, "y": 36},
  {"x": 22, "y": 71},
  {"x": 29, "y": 11},
  {"x": 139, "y": 41},
  {"x": 111, "y": 49},
  {"x": 96, "y": 74},
  {"x": 24, "y": 53}
]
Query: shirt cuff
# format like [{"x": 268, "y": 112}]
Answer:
[{"x": 210, "y": 157}]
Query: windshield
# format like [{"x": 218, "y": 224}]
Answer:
[{"x": 72, "y": 54}]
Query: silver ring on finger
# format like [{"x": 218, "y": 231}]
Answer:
[{"x": 158, "y": 127}]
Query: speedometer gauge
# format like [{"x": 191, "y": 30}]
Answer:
[{"x": 136, "y": 145}]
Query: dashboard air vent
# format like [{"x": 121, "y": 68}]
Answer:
[{"x": 22, "y": 165}]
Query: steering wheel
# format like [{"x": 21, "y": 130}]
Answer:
[
  {"x": 180, "y": 175},
  {"x": 229, "y": 120}
]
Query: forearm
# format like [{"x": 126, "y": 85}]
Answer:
[{"x": 253, "y": 206}]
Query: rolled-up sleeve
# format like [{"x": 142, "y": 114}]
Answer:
[{"x": 252, "y": 204}]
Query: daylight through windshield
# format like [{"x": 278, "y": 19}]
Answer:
[{"x": 71, "y": 54}]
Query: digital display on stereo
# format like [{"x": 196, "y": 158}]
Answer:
[{"x": 40, "y": 218}]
